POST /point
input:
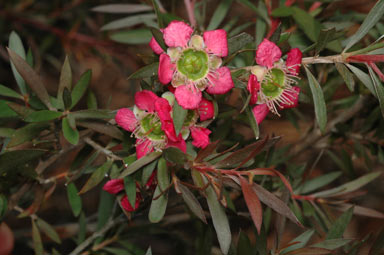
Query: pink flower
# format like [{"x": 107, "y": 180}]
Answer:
[
  {"x": 151, "y": 123},
  {"x": 192, "y": 63},
  {"x": 206, "y": 110},
  {"x": 200, "y": 136},
  {"x": 114, "y": 186},
  {"x": 127, "y": 205},
  {"x": 271, "y": 82}
]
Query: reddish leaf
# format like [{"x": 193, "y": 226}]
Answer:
[
  {"x": 273, "y": 172},
  {"x": 253, "y": 203},
  {"x": 366, "y": 58},
  {"x": 206, "y": 151}
]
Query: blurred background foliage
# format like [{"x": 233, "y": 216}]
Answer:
[{"x": 113, "y": 44}]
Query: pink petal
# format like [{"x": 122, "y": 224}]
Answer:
[
  {"x": 221, "y": 81},
  {"x": 253, "y": 88},
  {"x": 150, "y": 183},
  {"x": 260, "y": 111},
  {"x": 180, "y": 143},
  {"x": 293, "y": 61},
  {"x": 200, "y": 136},
  {"x": 216, "y": 42},
  {"x": 145, "y": 100},
  {"x": 126, "y": 119},
  {"x": 127, "y": 205},
  {"x": 155, "y": 46},
  {"x": 293, "y": 97},
  {"x": 114, "y": 186},
  {"x": 163, "y": 110},
  {"x": 267, "y": 53},
  {"x": 143, "y": 147},
  {"x": 166, "y": 69},
  {"x": 206, "y": 110},
  {"x": 177, "y": 34},
  {"x": 188, "y": 97}
]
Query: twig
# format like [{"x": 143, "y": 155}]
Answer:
[
  {"x": 190, "y": 6},
  {"x": 102, "y": 149}
]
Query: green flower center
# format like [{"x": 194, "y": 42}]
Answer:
[
  {"x": 193, "y": 64},
  {"x": 273, "y": 83},
  {"x": 151, "y": 127}
]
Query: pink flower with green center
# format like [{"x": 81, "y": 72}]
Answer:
[
  {"x": 151, "y": 123},
  {"x": 271, "y": 83},
  {"x": 192, "y": 63}
]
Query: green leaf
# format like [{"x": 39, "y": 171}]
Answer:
[
  {"x": 318, "y": 182},
  {"x": 149, "y": 251},
  {"x": 93, "y": 114},
  {"x": 122, "y": 8},
  {"x": 174, "y": 155},
  {"x": 80, "y": 87},
  {"x": 219, "y": 14},
  {"x": 318, "y": 100},
  {"x": 192, "y": 202},
  {"x": 310, "y": 26},
  {"x": 44, "y": 115},
  {"x": 372, "y": 18},
  {"x": 3, "y": 206},
  {"x": 364, "y": 78},
  {"x": 134, "y": 36},
  {"x": 179, "y": 114},
  {"x": 37, "y": 243},
  {"x": 140, "y": 163},
  {"x": 70, "y": 134},
  {"x": 31, "y": 78},
  {"x": 325, "y": 36},
  {"x": 7, "y": 92},
  {"x": 67, "y": 99},
  {"x": 331, "y": 244},
  {"x": 74, "y": 199},
  {"x": 347, "y": 76},
  {"x": 105, "y": 208},
  {"x": 220, "y": 220},
  {"x": 16, "y": 45},
  {"x": 21, "y": 110},
  {"x": 82, "y": 228},
  {"x": 8, "y": 112},
  {"x": 158, "y": 206},
  {"x": 48, "y": 230},
  {"x": 27, "y": 133},
  {"x": 6, "y": 132},
  {"x": 158, "y": 35},
  {"x": 379, "y": 89},
  {"x": 253, "y": 7},
  {"x": 252, "y": 122},
  {"x": 338, "y": 227},
  {"x": 130, "y": 189},
  {"x": 349, "y": 186},
  {"x": 130, "y": 21},
  {"x": 378, "y": 244},
  {"x": 145, "y": 72},
  {"x": 160, "y": 21},
  {"x": 97, "y": 176},
  {"x": 282, "y": 11},
  {"x": 65, "y": 83},
  {"x": 91, "y": 100},
  {"x": 102, "y": 128},
  {"x": 244, "y": 246},
  {"x": 300, "y": 241},
  {"x": 237, "y": 42}
]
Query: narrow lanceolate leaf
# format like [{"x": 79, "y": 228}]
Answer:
[
  {"x": 122, "y": 8},
  {"x": 145, "y": 72},
  {"x": 31, "y": 77},
  {"x": 310, "y": 26},
  {"x": 253, "y": 203},
  {"x": 80, "y": 87},
  {"x": 93, "y": 114},
  {"x": 325, "y": 36},
  {"x": 339, "y": 226},
  {"x": 74, "y": 199},
  {"x": 364, "y": 78},
  {"x": 70, "y": 134},
  {"x": 16, "y": 45},
  {"x": 149, "y": 251},
  {"x": 237, "y": 42},
  {"x": 96, "y": 177},
  {"x": 318, "y": 182},
  {"x": 332, "y": 244},
  {"x": 220, "y": 220},
  {"x": 6, "y": 132},
  {"x": 378, "y": 245},
  {"x": 347, "y": 76},
  {"x": 379, "y": 89},
  {"x": 160, "y": 21},
  {"x": 192, "y": 202},
  {"x": 179, "y": 114},
  {"x": 3, "y": 206},
  {"x": 158, "y": 35},
  {"x": 48, "y": 230},
  {"x": 65, "y": 81},
  {"x": 318, "y": 100},
  {"x": 219, "y": 14},
  {"x": 349, "y": 186},
  {"x": 372, "y": 18},
  {"x": 129, "y": 21},
  {"x": 158, "y": 206},
  {"x": 21, "y": 110},
  {"x": 300, "y": 241},
  {"x": 37, "y": 243},
  {"x": 174, "y": 155},
  {"x": 27, "y": 133},
  {"x": 44, "y": 115},
  {"x": 7, "y": 92},
  {"x": 140, "y": 163},
  {"x": 102, "y": 128},
  {"x": 130, "y": 189},
  {"x": 244, "y": 246}
]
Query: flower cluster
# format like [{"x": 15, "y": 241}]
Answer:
[
  {"x": 192, "y": 63},
  {"x": 271, "y": 81}
]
